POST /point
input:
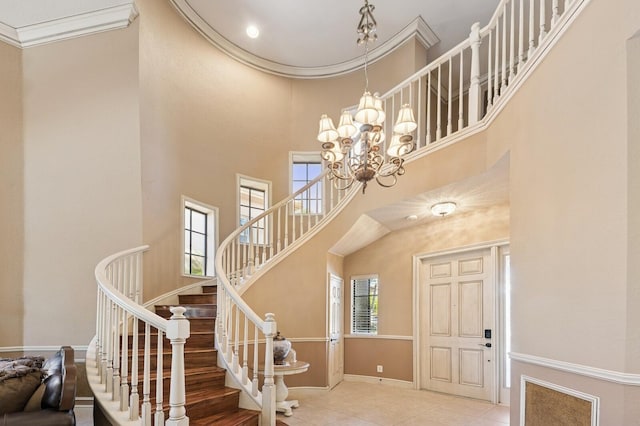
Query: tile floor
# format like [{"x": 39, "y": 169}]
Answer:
[{"x": 365, "y": 404}]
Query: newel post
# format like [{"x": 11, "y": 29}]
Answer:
[
  {"x": 474, "y": 88},
  {"x": 178, "y": 331},
  {"x": 268, "y": 388}
]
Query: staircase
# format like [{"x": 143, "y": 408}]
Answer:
[
  {"x": 208, "y": 400},
  {"x": 483, "y": 72}
]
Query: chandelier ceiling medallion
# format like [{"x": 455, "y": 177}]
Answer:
[{"x": 355, "y": 151}]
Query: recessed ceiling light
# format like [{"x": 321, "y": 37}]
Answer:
[
  {"x": 253, "y": 31},
  {"x": 411, "y": 217},
  {"x": 443, "y": 209}
]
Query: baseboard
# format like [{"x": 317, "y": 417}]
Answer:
[
  {"x": 76, "y": 348},
  {"x": 379, "y": 380}
]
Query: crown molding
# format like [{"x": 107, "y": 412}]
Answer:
[
  {"x": 111, "y": 18},
  {"x": 418, "y": 28}
]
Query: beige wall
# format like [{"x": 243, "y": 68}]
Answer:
[
  {"x": 569, "y": 207},
  {"x": 11, "y": 196},
  {"x": 82, "y": 197},
  {"x": 205, "y": 117}
]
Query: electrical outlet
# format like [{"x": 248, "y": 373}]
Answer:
[{"x": 379, "y": 369}]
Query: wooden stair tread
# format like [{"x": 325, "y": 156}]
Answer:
[{"x": 238, "y": 418}]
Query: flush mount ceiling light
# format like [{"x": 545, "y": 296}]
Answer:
[
  {"x": 253, "y": 31},
  {"x": 443, "y": 209},
  {"x": 411, "y": 217},
  {"x": 355, "y": 151}
]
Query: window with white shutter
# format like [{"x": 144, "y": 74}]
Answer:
[{"x": 364, "y": 305}]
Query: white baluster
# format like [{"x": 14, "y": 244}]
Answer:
[
  {"x": 532, "y": 37},
  {"x": 556, "y": 15},
  {"x": 110, "y": 321},
  {"x": 428, "y": 115},
  {"x": 115, "y": 392},
  {"x": 521, "y": 35},
  {"x": 236, "y": 343},
  {"x": 419, "y": 142},
  {"x": 543, "y": 17},
  {"x": 461, "y": 92},
  {"x": 286, "y": 225},
  {"x": 268, "y": 388},
  {"x": 503, "y": 86},
  {"x": 134, "y": 399},
  {"x": 278, "y": 246},
  {"x": 254, "y": 382},
  {"x": 474, "y": 88},
  {"x": 489, "y": 72},
  {"x": 512, "y": 42},
  {"x": 449, "y": 98},
  {"x": 496, "y": 75},
  {"x": 146, "y": 377},
  {"x": 178, "y": 331},
  {"x": 124, "y": 363},
  {"x": 439, "y": 100},
  {"x": 159, "y": 415},
  {"x": 245, "y": 353}
]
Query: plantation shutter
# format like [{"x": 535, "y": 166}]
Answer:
[{"x": 364, "y": 315}]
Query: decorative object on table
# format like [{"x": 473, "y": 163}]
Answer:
[
  {"x": 281, "y": 348},
  {"x": 356, "y": 153}
]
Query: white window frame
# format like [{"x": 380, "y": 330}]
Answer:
[
  {"x": 259, "y": 184},
  {"x": 351, "y": 326},
  {"x": 306, "y": 157},
  {"x": 212, "y": 235}
]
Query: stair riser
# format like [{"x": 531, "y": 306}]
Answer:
[
  {"x": 191, "y": 299},
  {"x": 191, "y": 360},
  {"x": 210, "y": 289},
  {"x": 194, "y": 341},
  {"x": 205, "y": 381},
  {"x": 206, "y": 408},
  {"x": 191, "y": 311},
  {"x": 196, "y": 324}
]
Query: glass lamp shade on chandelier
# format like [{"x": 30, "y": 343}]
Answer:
[{"x": 354, "y": 151}]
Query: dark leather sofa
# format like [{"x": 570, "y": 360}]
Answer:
[{"x": 56, "y": 393}]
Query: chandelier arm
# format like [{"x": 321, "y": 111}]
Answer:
[{"x": 394, "y": 181}]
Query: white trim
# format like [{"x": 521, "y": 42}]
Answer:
[
  {"x": 463, "y": 249},
  {"x": 212, "y": 243},
  {"x": 377, "y": 336},
  {"x": 595, "y": 401},
  {"x": 308, "y": 339},
  {"x": 181, "y": 290},
  {"x": 40, "y": 348},
  {"x": 378, "y": 380},
  {"x": 418, "y": 28},
  {"x": 618, "y": 377},
  {"x": 351, "y": 280},
  {"x": 110, "y": 18}
]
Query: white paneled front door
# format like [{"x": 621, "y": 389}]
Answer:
[
  {"x": 336, "y": 354},
  {"x": 457, "y": 294}
]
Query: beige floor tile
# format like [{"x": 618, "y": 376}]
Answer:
[{"x": 355, "y": 403}]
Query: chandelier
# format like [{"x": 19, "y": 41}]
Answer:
[{"x": 354, "y": 151}]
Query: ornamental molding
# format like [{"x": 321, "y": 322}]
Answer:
[{"x": 96, "y": 21}]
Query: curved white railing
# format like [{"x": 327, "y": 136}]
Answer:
[
  {"x": 454, "y": 96},
  {"x": 119, "y": 316}
]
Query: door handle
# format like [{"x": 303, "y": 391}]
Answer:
[{"x": 486, "y": 345}]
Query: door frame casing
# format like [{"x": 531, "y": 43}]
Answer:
[{"x": 417, "y": 262}]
